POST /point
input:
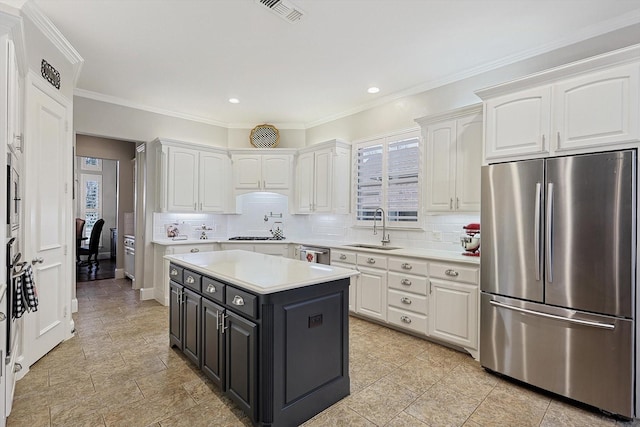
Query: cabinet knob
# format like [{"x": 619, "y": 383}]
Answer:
[
  {"x": 405, "y": 282},
  {"x": 190, "y": 280},
  {"x": 237, "y": 300},
  {"x": 406, "y": 266},
  {"x": 405, "y": 300},
  {"x": 173, "y": 272},
  {"x": 371, "y": 261},
  {"x": 211, "y": 289},
  {"x": 405, "y": 319},
  {"x": 343, "y": 256},
  {"x": 194, "y": 250},
  {"x": 451, "y": 273}
]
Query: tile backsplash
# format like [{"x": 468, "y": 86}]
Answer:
[{"x": 262, "y": 211}]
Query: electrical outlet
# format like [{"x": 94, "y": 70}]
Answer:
[{"x": 437, "y": 236}]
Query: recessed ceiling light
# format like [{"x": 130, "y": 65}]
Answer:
[
  {"x": 373, "y": 89},
  {"x": 234, "y": 100}
]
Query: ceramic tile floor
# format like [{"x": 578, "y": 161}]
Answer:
[{"x": 119, "y": 371}]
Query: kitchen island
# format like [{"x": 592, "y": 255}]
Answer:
[{"x": 272, "y": 332}]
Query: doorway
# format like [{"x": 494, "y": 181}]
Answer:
[{"x": 97, "y": 199}]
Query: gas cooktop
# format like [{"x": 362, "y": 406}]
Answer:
[{"x": 254, "y": 238}]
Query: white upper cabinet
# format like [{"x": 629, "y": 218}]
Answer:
[
  {"x": 518, "y": 124},
  {"x": 590, "y": 105},
  {"x": 193, "y": 179},
  {"x": 597, "y": 109},
  {"x": 453, "y": 160},
  {"x": 323, "y": 178},
  {"x": 262, "y": 172}
]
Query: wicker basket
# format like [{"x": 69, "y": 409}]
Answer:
[{"x": 264, "y": 136}]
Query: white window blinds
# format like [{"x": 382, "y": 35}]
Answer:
[{"x": 388, "y": 176}]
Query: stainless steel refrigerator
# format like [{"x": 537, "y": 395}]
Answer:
[{"x": 558, "y": 275}]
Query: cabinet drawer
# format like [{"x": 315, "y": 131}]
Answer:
[
  {"x": 407, "y": 320},
  {"x": 175, "y": 273},
  {"x": 454, "y": 272},
  {"x": 213, "y": 289},
  {"x": 343, "y": 256},
  {"x": 192, "y": 280},
  {"x": 409, "y": 283},
  {"x": 407, "y": 301},
  {"x": 241, "y": 301},
  {"x": 372, "y": 260},
  {"x": 408, "y": 265}
]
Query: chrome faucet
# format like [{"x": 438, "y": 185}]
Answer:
[{"x": 385, "y": 237}]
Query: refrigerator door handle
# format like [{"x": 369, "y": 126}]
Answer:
[
  {"x": 536, "y": 230},
  {"x": 549, "y": 233},
  {"x": 553, "y": 316}
]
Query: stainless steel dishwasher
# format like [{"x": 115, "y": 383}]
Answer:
[{"x": 315, "y": 254}]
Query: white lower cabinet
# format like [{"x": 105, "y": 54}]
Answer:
[
  {"x": 371, "y": 293},
  {"x": 453, "y": 305}
]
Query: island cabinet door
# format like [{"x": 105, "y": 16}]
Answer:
[
  {"x": 175, "y": 315},
  {"x": 241, "y": 369},
  {"x": 213, "y": 342},
  {"x": 191, "y": 331}
]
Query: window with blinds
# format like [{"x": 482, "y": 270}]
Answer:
[{"x": 388, "y": 176}]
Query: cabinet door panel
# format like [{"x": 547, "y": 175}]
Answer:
[
  {"x": 453, "y": 313},
  {"x": 440, "y": 166},
  {"x": 213, "y": 182},
  {"x": 468, "y": 162},
  {"x": 372, "y": 293},
  {"x": 601, "y": 108},
  {"x": 304, "y": 183},
  {"x": 518, "y": 124},
  {"x": 323, "y": 181},
  {"x": 212, "y": 342},
  {"x": 241, "y": 369},
  {"x": 191, "y": 328},
  {"x": 276, "y": 172},
  {"x": 182, "y": 186},
  {"x": 175, "y": 315},
  {"x": 247, "y": 172}
]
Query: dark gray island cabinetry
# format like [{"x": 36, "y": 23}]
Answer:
[{"x": 272, "y": 333}]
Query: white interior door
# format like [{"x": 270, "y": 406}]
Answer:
[{"x": 47, "y": 215}]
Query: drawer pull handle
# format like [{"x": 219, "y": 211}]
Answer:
[
  {"x": 406, "y": 282},
  {"x": 174, "y": 272},
  {"x": 405, "y": 319},
  {"x": 406, "y": 266},
  {"x": 371, "y": 261},
  {"x": 343, "y": 256},
  {"x": 451, "y": 273},
  {"x": 237, "y": 300},
  {"x": 190, "y": 280},
  {"x": 211, "y": 289},
  {"x": 405, "y": 300},
  {"x": 194, "y": 250}
]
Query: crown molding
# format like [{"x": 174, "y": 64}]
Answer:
[
  {"x": 279, "y": 125},
  {"x": 82, "y": 93},
  {"x": 44, "y": 24},
  {"x": 592, "y": 31}
]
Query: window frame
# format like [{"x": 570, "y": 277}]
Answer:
[{"x": 385, "y": 140}]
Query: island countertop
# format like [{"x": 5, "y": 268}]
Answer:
[{"x": 260, "y": 273}]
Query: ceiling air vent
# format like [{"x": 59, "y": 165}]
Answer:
[{"x": 284, "y": 9}]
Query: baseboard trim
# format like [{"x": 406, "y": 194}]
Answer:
[
  {"x": 74, "y": 305},
  {"x": 119, "y": 273},
  {"x": 146, "y": 293}
]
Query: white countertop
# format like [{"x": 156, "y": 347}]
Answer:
[
  {"x": 260, "y": 273},
  {"x": 432, "y": 254}
]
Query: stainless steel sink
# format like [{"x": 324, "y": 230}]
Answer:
[{"x": 380, "y": 247}]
